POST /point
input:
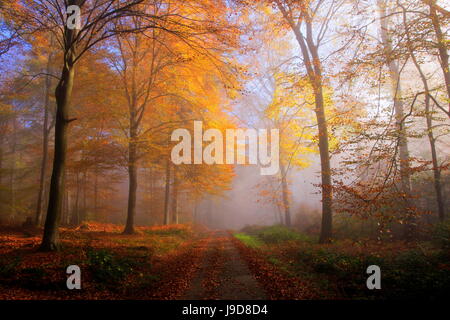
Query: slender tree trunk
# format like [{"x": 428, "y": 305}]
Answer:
[
  {"x": 394, "y": 73},
  {"x": 285, "y": 194},
  {"x": 95, "y": 209},
  {"x": 313, "y": 65},
  {"x": 442, "y": 47},
  {"x": 63, "y": 94},
  {"x": 132, "y": 190},
  {"x": 45, "y": 134},
  {"x": 150, "y": 193},
  {"x": 13, "y": 171},
  {"x": 175, "y": 198},
  {"x": 132, "y": 157},
  {"x": 195, "y": 211},
  {"x": 132, "y": 145},
  {"x": 325, "y": 165},
  {"x": 75, "y": 220},
  {"x": 429, "y": 120},
  {"x": 67, "y": 213},
  {"x": 167, "y": 194},
  {"x": 84, "y": 209},
  {"x": 436, "y": 169}
]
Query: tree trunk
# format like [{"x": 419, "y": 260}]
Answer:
[
  {"x": 45, "y": 134},
  {"x": 285, "y": 194},
  {"x": 84, "y": 209},
  {"x": 150, "y": 193},
  {"x": 326, "y": 232},
  {"x": 75, "y": 219},
  {"x": 95, "y": 209},
  {"x": 442, "y": 47},
  {"x": 394, "y": 73},
  {"x": 313, "y": 67},
  {"x": 132, "y": 190},
  {"x": 167, "y": 194},
  {"x": 13, "y": 171},
  {"x": 63, "y": 94},
  {"x": 429, "y": 120},
  {"x": 175, "y": 198}
]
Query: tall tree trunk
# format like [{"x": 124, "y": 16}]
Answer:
[
  {"x": 63, "y": 94},
  {"x": 442, "y": 47},
  {"x": 84, "y": 208},
  {"x": 429, "y": 120},
  {"x": 132, "y": 190},
  {"x": 150, "y": 193},
  {"x": 132, "y": 145},
  {"x": 325, "y": 165},
  {"x": 95, "y": 209},
  {"x": 175, "y": 198},
  {"x": 45, "y": 134},
  {"x": 313, "y": 65},
  {"x": 195, "y": 211},
  {"x": 132, "y": 156},
  {"x": 75, "y": 219},
  {"x": 394, "y": 73},
  {"x": 12, "y": 175},
  {"x": 285, "y": 195},
  {"x": 167, "y": 194}
]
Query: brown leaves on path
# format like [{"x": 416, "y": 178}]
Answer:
[{"x": 278, "y": 284}]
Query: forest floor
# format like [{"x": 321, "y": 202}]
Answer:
[
  {"x": 192, "y": 263},
  {"x": 173, "y": 262}
]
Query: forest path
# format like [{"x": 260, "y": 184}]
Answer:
[{"x": 223, "y": 274}]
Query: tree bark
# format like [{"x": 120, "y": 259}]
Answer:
[
  {"x": 429, "y": 120},
  {"x": 442, "y": 47},
  {"x": 313, "y": 65},
  {"x": 132, "y": 190},
  {"x": 167, "y": 194},
  {"x": 45, "y": 134},
  {"x": 75, "y": 218},
  {"x": 285, "y": 191},
  {"x": 63, "y": 94},
  {"x": 175, "y": 198},
  {"x": 12, "y": 175},
  {"x": 394, "y": 73}
]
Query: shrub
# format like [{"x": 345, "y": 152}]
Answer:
[
  {"x": 107, "y": 268},
  {"x": 442, "y": 235}
]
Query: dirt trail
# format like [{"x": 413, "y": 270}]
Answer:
[{"x": 223, "y": 274}]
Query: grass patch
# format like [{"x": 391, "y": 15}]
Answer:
[
  {"x": 278, "y": 234},
  {"x": 248, "y": 240},
  {"x": 275, "y": 234},
  {"x": 410, "y": 275}
]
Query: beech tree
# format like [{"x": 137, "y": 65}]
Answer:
[{"x": 97, "y": 25}]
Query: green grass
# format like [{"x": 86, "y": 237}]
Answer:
[
  {"x": 275, "y": 234},
  {"x": 278, "y": 234},
  {"x": 418, "y": 273},
  {"x": 248, "y": 240}
]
